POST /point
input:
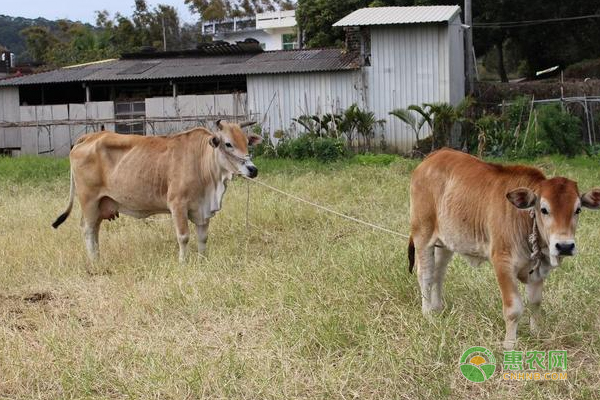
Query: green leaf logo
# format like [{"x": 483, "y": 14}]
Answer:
[{"x": 477, "y": 364}]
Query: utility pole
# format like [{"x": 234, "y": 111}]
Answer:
[
  {"x": 164, "y": 34},
  {"x": 470, "y": 70}
]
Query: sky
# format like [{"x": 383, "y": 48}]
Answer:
[{"x": 82, "y": 10}]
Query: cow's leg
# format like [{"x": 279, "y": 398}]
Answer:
[
  {"x": 90, "y": 222},
  {"x": 512, "y": 305},
  {"x": 180, "y": 219},
  {"x": 534, "y": 299},
  {"x": 442, "y": 259},
  {"x": 425, "y": 272},
  {"x": 202, "y": 230}
]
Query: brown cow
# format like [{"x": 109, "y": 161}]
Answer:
[
  {"x": 460, "y": 204},
  {"x": 184, "y": 174}
]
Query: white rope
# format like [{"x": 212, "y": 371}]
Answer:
[{"x": 329, "y": 210}]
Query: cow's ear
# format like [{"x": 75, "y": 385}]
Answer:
[
  {"x": 253, "y": 139},
  {"x": 215, "y": 141},
  {"x": 591, "y": 199},
  {"x": 522, "y": 197},
  {"x": 219, "y": 124}
]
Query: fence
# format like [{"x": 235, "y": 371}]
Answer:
[
  {"x": 53, "y": 129},
  {"x": 587, "y": 108}
]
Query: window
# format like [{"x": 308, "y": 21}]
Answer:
[
  {"x": 135, "y": 110},
  {"x": 289, "y": 41}
]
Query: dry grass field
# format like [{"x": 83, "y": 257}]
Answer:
[{"x": 301, "y": 305}]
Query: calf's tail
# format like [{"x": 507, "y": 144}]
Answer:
[
  {"x": 411, "y": 255},
  {"x": 62, "y": 217}
]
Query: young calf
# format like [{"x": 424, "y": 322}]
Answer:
[{"x": 513, "y": 216}]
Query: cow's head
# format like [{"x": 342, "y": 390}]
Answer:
[
  {"x": 233, "y": 143},
  {"x": 557, "y": 205}
]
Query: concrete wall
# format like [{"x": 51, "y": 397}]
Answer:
[
  {"x": 9, "y": 112},
  {"x": 193, "y": 110},
  {"x": 57, "y": 139}
]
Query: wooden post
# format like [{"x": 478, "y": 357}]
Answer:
[{"x": 469, "y": 48}]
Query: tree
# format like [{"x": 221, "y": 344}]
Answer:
[
  {"x": 165, "y": 18},
  {"x": 142, "y": 20},
  {"x": 39, "y": 41},
  {"x": 216, "y": 10},
  {"x": 541, "y": 45},
  {"x": 406, "y": 115},
  {"x": 209, "y": 10}
]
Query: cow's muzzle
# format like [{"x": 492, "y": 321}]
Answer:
[
  {"x": 252, "y": 171},
  {"x": 565, "y": 248}
]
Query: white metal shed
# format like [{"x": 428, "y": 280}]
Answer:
[{"x": 416, "y": 56}]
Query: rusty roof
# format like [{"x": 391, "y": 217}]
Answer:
[{"x": 159, "y": 66}]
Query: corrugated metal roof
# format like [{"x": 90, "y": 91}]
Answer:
[
  {"x": 270, "y": 62},
  {"x": 399, "y": 15}
]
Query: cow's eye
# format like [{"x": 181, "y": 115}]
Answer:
[
  {"x": 228, "y": 145},
  {"x": 578, "y": 210},
  {"x": 544, "y": 211}
]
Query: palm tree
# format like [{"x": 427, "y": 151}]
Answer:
[
  {"x": 405, "y": 115},
  {"x": 440, "y": 117}
]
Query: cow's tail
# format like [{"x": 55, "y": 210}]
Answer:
[
  {"x": 62, "y": 217},
  {"x": 411, "y": 255}
]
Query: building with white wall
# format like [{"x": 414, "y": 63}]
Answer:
[
  {"x": 274, "y": 30},
  {"x": 394, "y": 57}
]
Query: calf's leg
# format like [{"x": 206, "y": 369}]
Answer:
[
  {"x": 442, "y": 259},
  {"x": 425, "y": 272},
  {"x": 512, "y": 305},
  {"x": 534, "y": 299}
]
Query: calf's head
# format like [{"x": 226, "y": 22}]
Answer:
[
  {"x": 233, "y": 144},
  {"x": 557, "y": 204}
]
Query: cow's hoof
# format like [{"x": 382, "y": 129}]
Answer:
[
  {"x": 534, "y": 327},
  {"x": 509, "y": 344}
]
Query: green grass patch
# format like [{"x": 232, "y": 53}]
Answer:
[{"x": 33, "y": 169}]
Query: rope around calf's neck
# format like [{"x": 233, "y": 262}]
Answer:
[{"x": 536, "y": 253}]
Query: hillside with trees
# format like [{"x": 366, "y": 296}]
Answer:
[{"x": 12, "y": 39}]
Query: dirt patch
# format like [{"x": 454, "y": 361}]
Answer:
[{"x": 39, "y": 297}]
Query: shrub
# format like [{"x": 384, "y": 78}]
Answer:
[
  {"x": 493, "y": 138},
  {"x": 301, "y": 148},
  {"x": 329, "y": 149},
  {"x": 559, "y": 131},
  {"x": 524, "y": 132},
  {"x": 325, "y": 149}
]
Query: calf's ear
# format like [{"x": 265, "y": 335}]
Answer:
[
  {"x": 254, "y": 139},
  {"x": 591, "y": 199},
  {"x": 522, "y": 198}
]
